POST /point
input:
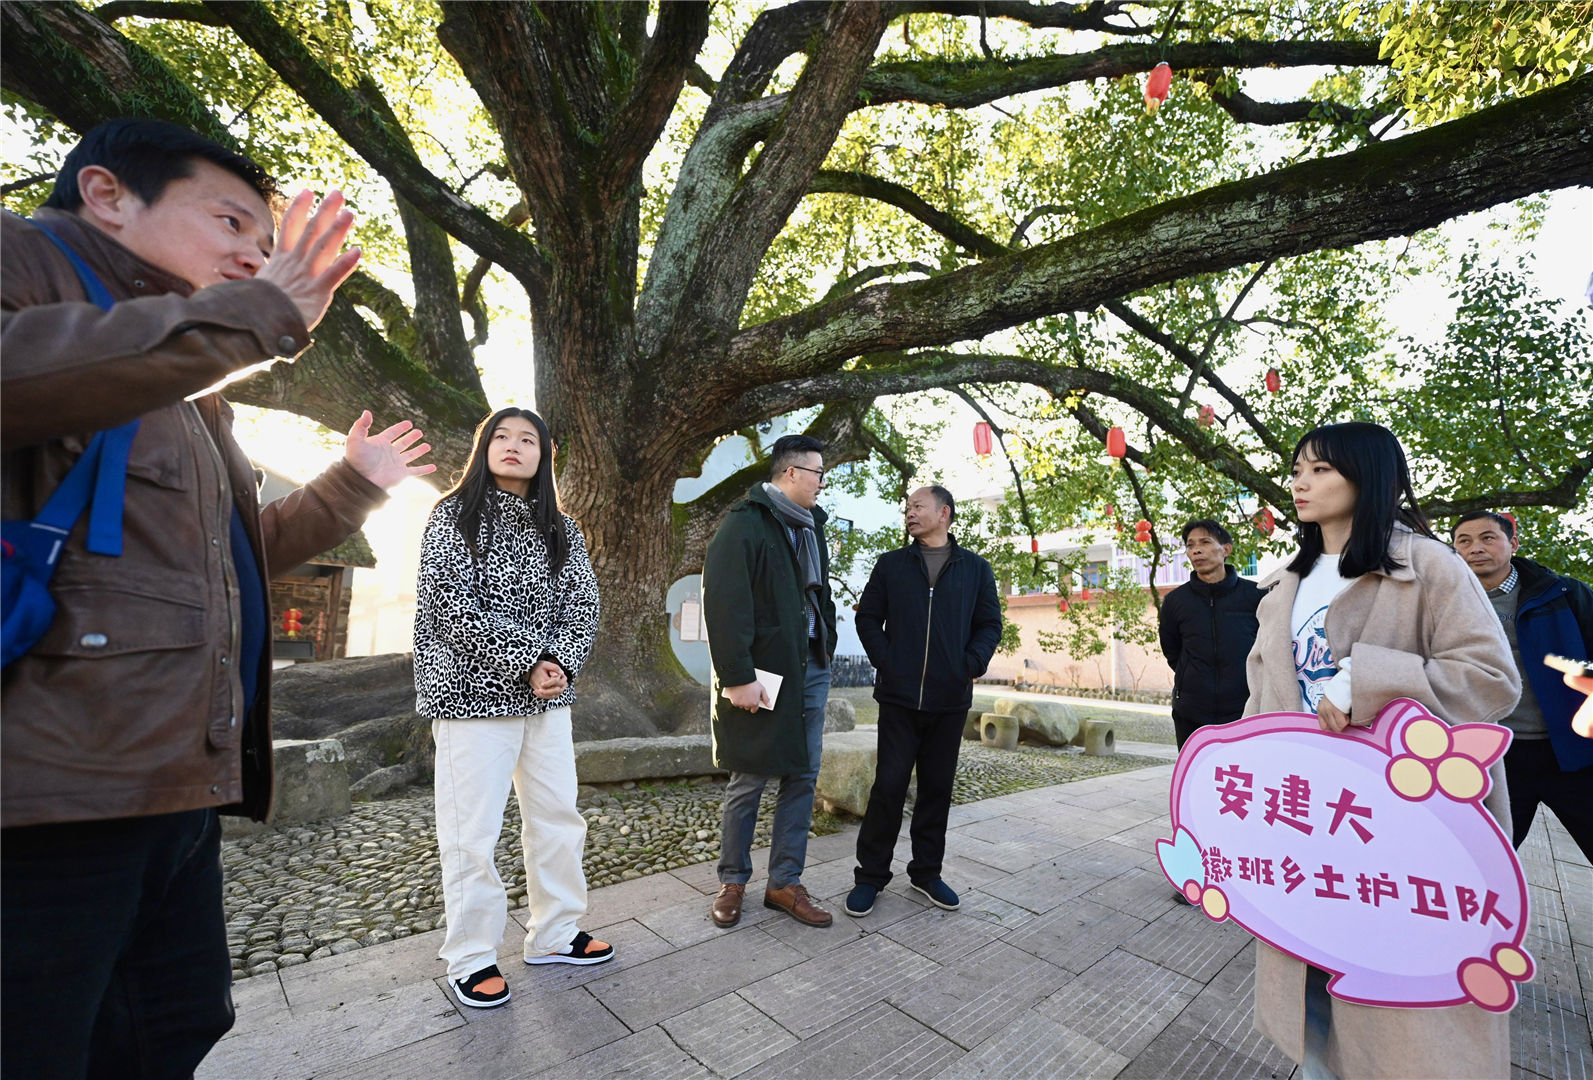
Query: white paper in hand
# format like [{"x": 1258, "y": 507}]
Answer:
[{"x": 771, "y": 686}]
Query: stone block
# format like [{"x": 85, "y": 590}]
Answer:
[
  {"x": 607, "y": 761},
  {"x": 970, "y": 729},
  {"x": 312, "y": 780},
  {"x": 373, "y": 785},
  {"x": 1099, "y": 740},
  {"x": 314, "y": 701},
  {"x": 382, "y": 741},
  {"x": 846, "y": 771},
  {"x": 1050, "y": 722},
  {"x": 839, "y": 715},
  {"x": 999, "y": 730}
]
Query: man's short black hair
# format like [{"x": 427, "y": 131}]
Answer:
[
  {"x": 943, "y": 497},
  {"x": 1503, "y": 522},
  {"x": 789, "y": 450},
  {"x": 1214, "y": 530},
  {"x": 146, "y": 155}
]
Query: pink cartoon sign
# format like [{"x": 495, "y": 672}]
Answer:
[{"x": 1366, "y": 853}]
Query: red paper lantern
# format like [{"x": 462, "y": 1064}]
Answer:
[
  {"x": 1116, "y": 442},
  {"x": 1274, "y": 380},
  {"x": 1084, "y": 594},
  {"x": 1265, "y": 522},
  {"x": 982, "y": 440},
  {"x": 1157, "y": 86},
  {"x": 1034, "y": 545},
  {"x": 1062, "y": 605},
  {"x": 292, "y": 622},
  {"x": 1208, "y": 415},
  {"x": 1142, "y": 526}
]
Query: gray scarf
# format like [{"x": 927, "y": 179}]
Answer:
[{"x": 801, "y": 520}]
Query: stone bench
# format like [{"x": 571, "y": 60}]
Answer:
[{"x": 663, "y": 757}]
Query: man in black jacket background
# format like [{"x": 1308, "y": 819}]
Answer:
[
  {"x": 1208, "y": 625},
  {"x": 930, "y": 620}
]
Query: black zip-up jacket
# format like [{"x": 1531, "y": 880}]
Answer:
[
  {"x": 1207, "y": 632},
  {"x": 929, "y": 645}
]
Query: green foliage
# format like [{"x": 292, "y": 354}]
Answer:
[
  {"x": 1503, "y": 402},
  {"x": 1455, "y": 56}
]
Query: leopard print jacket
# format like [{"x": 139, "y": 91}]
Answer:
[{"x": 480, "y": 626}]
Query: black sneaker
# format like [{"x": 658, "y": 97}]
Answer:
[
  {"x": 581, "y": 951},
  {"x": 468, "y": 990},
  {"x": 860, "y": 901},
  {"x": 939, "y": 894}
]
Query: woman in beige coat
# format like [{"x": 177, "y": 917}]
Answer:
[{"x": 1374, "y": 608}]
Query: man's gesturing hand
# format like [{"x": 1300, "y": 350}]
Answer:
[
  {"x": 384, "y": 459},
  {"x": 309, "y": 262}
]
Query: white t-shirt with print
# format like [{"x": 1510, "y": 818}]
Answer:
[{"x": 1314, "y": 665}]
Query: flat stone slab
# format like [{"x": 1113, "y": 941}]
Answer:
[{"x": 608, "y": 761}]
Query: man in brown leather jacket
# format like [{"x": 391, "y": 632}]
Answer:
[{"x": 142, "y": 712}]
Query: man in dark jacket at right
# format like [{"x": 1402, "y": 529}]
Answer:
[
  {"x": 1542, "y": 612},
  {"x": 1208, "y": 625},
  {"x": 930, "y": 620}
]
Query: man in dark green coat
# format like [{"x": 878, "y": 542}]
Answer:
[{"x": 768, "y": 608}]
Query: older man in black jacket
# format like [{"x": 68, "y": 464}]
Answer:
[
  {"x": 1207, "y": 628},
  {"x": 929, "y": 619}
]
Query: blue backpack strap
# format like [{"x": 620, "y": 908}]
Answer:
[
  {"x": 110, "y": 489},
  {"x": 104, "y": 462},
  {"x": 98, "y": 294},
  {"x": 72, "y": 495}
]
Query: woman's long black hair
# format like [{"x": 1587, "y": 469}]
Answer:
[
  {"x": 476, "y": 485},
  {"x": 1370, "y": 457}
]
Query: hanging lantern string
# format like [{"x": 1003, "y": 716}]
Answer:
[{"x": 1017, "y": 478}]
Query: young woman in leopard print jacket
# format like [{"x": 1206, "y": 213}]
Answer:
[{"x": 507, "y": 610}]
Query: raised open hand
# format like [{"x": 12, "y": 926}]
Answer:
[
  {"x": 309, "y": 262},
  {"x": 385, "y": 458}
]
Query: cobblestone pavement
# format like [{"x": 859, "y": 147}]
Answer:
[
  {"x": 1068, "y": 958},
  {"x": 306, "y": 892}
]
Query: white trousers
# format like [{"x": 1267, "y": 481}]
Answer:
[{"x": 477, "y": 760}]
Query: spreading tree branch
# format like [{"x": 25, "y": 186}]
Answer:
[
  {"x": 1017, "y": 477},
  {"x": 1031, "y": 217},
  {"x": 665, "y": 66},
  {"x": 856, "y": 281},
  {"x": 363, "y": 128},
  {"x": 1248, "y": 110},
  {"x": 1182, "y": 353},
  {"x": 156, "y": 9},
  {"x": 1382, "y": 190},
  {"x": 1088, "y": 16},
  {"x": 1204, "y": 356},
  {"x": 835, "y": 182},
  {"x": 964, "y": 84}
]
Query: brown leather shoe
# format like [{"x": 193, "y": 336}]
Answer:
[
  {"x": 795, "y": 902},
  {"x": 727, "y": 904}
]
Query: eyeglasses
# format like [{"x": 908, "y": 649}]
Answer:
[{"x": 816, "y": 472}]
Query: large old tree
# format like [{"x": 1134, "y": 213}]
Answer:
[{"x": 678, "y": 193}]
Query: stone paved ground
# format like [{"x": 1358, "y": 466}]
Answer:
[
  {"x": 1068, "y": 959},
  {"x": 310, "y": 891}
]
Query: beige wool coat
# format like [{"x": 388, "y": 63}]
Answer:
[{"x": 1427, "y": 632}]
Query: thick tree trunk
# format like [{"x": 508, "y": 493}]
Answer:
[{"x": 633, "y": 684}]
